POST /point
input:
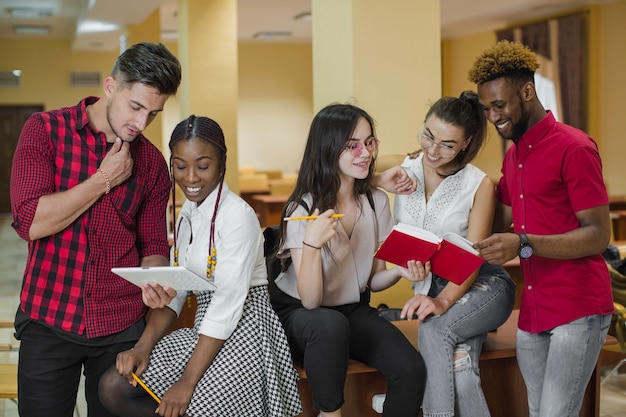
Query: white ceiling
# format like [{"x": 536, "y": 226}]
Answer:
[{"x": 458, "y": 17}]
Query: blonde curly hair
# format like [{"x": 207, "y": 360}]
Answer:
[{"x": 504, "y": 59}]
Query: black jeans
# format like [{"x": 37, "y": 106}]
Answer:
[
  {"x": 49, "y": 373},
  {"x": 326, "y": 337}
]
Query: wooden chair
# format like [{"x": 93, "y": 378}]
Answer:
[
  {"x": 8, "y": 371},
  {"x": 281, "y": 188},
  {"x": 620, "y": 333},
  {"x": 253, "y": 183}
]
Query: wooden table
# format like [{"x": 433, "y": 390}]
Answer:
[
  {"x": 617, "y": 202},
  {"x": 248, "y": 193},
  {"x": 269, "y": 208},
  {"x": 618, "y": 223}
]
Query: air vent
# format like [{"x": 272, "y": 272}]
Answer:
[
  {"x": 85, "y": 79},
  {"x": 10, "y": 79}
]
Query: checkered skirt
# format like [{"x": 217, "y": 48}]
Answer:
[{"x": 251, "y": 376}]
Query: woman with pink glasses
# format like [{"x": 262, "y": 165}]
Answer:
[{"x": 323, "y": 294}]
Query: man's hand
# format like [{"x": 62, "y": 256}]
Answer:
[
  {"x": 118, "y": 164},
  {"x": 499, "y": 247},
  {"x": 156, "y": 296}
]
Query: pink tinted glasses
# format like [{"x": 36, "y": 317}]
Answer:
[{"x": 355, "y": 146}]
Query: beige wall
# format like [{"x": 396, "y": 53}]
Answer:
[
  {"x": 608, "y": 61},
  {"x": 457, "y": 56},
  {"x": 46, "y": 67},
  {"x": 275, "y": 104},
  {"x": 275, "y": 97},
  {"x": 606, "y": 88}
]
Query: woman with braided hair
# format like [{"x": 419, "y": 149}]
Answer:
[{"x": 235, "y": 361}]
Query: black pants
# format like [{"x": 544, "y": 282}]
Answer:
[
  {"x": 49, "y": 373},
  {"x": 325, "y": 338}
]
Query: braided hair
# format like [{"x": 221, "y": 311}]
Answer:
[{"x": 208, "y": 131}]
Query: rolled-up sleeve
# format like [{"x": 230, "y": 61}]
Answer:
[{"x": 32, "y": 174}]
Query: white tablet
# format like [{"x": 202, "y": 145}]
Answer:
[{"x": 177, "y": 277}]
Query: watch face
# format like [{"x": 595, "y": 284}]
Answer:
[{"x": 525, "y": 251}]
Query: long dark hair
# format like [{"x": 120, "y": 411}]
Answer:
[
  {"x": 466, "y": 113},
  {"x": 318, "y": 176}
]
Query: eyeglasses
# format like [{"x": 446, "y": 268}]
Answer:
[
  {"x": 427, "y": 141},
  {"x": 355, "y": 146}
]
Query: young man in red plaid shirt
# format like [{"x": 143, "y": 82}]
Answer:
[{"x": 89, "y": 192}]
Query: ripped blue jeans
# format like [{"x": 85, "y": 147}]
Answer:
[{"x": 451, "y": 343}]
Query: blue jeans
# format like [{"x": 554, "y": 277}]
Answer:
[
  {"x": 557, "y": 364},
  {"x": 453, "y": 385}
]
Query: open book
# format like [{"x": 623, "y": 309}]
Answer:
[
  {"x": 177, "y": 277},
  {"x": 451, "y": 256}
]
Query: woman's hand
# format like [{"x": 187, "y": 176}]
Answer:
[
  {"x": 422, "y": 306},
  {"x": 415, "y": 271},
  {"x": 320, "y": 230},
  {"x": 176, "y": 400},
  {"x": 395, "y": 180},
  {"x": 129, "y": 361}
]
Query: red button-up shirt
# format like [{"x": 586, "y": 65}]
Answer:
[
  {"x": 553, "y": 172},
  {"x": 68, "y": 283}
]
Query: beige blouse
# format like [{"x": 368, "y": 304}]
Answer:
[{"x": 346, "y": 262}]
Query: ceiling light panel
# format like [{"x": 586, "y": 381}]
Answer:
[
  {"x": 31, "y": 29},
  {"x": 272, "y": 35}
]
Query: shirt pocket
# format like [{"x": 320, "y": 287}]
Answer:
[{"x": 127, "y": 199}]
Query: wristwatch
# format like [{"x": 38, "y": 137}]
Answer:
[{"x": 525, "y": 249}]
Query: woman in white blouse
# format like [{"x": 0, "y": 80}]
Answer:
[
  {"x": 235, "y": 361},
  {"x": 454, "y": 196}
]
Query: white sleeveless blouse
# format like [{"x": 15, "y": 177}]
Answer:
[{"x": 447, "y": 209}]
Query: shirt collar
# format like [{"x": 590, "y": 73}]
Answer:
[
  {"x": 539, "y": 130},
  {"x": 82, "y": 119}
]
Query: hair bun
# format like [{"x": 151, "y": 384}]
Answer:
[{"x": 468, "y": 95}]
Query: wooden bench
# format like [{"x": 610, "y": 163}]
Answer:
[{"x": 501, "y": 379}]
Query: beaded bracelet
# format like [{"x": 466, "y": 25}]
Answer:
[
  {"x": 310, "y": 246},
  {"x": 106, "y": 180}
]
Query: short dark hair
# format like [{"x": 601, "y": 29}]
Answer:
[
  {"x": 505, "y": 59},
  {"x": 148, "y": 63}
]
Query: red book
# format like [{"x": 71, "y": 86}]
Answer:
[{"x": 451, "y": 257}]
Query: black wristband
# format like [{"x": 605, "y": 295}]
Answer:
[{"x": 310, "y": 246}]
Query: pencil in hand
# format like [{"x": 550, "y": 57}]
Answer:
[
  {"x": 148, "y": 390},
  {"x": 334, "y": 216}
]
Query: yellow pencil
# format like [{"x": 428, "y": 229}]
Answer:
[
  {"x": 148, "y": 390},
  {"x": 334, "y": 216}
]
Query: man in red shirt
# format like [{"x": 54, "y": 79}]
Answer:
[
  {"x": 553, "y": 192},
  {"x": 89, "y": 192}
]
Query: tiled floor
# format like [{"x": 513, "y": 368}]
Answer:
[{"x": 12, "y": 260}]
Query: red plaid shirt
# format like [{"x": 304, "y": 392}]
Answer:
[{"x": 68, "y": 281}]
